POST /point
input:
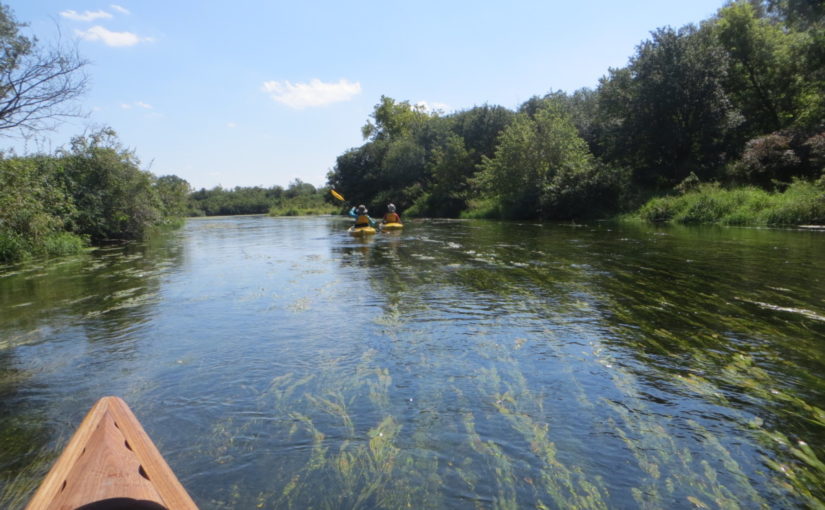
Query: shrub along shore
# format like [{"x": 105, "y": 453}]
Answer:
[
  {"x": 801, "y": 203},
  {"x": 53, "y": 205}
]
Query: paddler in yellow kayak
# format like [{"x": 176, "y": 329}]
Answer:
[
  {"x": 391, "y": 216},
  {"x": 362, "y": 219},
  {"x": 392, "y": 221}
]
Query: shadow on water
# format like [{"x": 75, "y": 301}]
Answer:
[{"x": 453, "y": 364}]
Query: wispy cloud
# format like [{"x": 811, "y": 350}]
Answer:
[
  {"x": 86, "y": 16},
  {"x": 231, "y": 125},
  {"x": 314, "y": 93},
  {"x": 109, "y": 38},
  {"x": 120, "y": 9},
  {"x": 138, "y": 104}
]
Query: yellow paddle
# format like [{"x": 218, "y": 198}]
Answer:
[
  {"x": 342, "y": 199},
  {"x": 337, "y": 195}
]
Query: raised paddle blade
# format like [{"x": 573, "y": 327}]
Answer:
[{"x": 337, "y": 195}]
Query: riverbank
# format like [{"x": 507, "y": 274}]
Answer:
[{"x": 801, "y": 203}]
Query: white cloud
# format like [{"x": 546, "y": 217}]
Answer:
[
  {"x": 314, "y": 93},
  {"x": 138, "y": 104},
  {"x": 120, "y": 9},
  {"x": 86, "y": 16},
  {"x": 109, "y": 38},
  {"x": 433, "y": 107},
  {"x": 231, "y": 125}
]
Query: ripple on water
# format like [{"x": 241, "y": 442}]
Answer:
[{"x": 458, "y": 364}]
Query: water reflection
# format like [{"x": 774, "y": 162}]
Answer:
[
  {"x": 65, "y": 327},
  {"x": 449, "y": 365}
]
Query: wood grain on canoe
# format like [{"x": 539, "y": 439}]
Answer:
[{"x": 110, "y": 462}]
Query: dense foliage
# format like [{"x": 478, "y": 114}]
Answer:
[
  {"x": 91, "y": 192},
  {"x": 801, "y": 203},
  {"x": 738, "y": 100}
]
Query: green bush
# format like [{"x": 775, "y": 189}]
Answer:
[
  {"x": 482, "y": 208},
  {"x": 53, "y": 205},
  {"x": 802, "y": 202},
  {"x": 661, "y": 210},
  {"x": 62, "y": 244},
  {"x": 12, "y": 247}
]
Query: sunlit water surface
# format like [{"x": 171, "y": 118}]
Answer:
[{"x": 279, "y": 363}]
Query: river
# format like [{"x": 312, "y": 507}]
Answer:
[{"x": 280, "y": 363}]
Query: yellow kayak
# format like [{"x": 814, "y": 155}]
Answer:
[
  {"x": 361, "y": 231},
  {"x": 392, "y": 226},
  {"x": 110, "y": 463}
]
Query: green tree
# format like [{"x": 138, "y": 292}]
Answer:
[
  {"x": 479, "y": 127},
  {"x": 392, "y": 119},
  {"x": 174, "y": 194},
  {"x": 541, "y": 167},
  {"x": 764, "y": 78},
  {"x": 668, "y": 114},
  {"x": 299, "y": 187},
  {"x": 357, "y": 172},
  {"x": 451, "y": 168},
  {"x": 114, "y": 197}
]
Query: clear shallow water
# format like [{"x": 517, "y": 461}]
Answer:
[{"x": 279, "y": 363}]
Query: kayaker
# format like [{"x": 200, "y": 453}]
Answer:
[
  {"x": 360, "y": 215},
  {"x": 391, "y": 216}
]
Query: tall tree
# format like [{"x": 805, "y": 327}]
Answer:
[
  {"x": 174, "y": 194},
  {"x": 667, "y": 114},
  {"x": 392, "y": 119},
  {"x": 37, "y": 85},
  {"x": 764, "y": 78},
  {"x": 451, "y": 168},
  {"x": 114, "y": 197},
  {"x": 540, "y": 168}
]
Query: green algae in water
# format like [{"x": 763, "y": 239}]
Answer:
[{"x": 492, "y": 369}]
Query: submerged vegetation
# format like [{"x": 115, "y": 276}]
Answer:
[
  {"x": 476, "y": 364},
  {"x": 737, "y": 101}
]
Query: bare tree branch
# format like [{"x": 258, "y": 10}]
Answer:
[{"x": 38, "y": 87}]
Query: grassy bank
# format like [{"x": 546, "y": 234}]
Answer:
[
  {"x": 801, "y": 203},
  {"x": 15, "y": 247}
]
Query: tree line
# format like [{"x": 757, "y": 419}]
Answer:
[
  {"x": 299, "y": 198},
  {"x": 738, "y": 100}
]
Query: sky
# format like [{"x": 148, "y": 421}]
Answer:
[{"x": 260, "y": 93}]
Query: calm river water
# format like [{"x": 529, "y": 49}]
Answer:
[{"x": 279, "y": 363}]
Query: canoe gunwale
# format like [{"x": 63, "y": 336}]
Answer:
[{"x": 166, "y": 491}]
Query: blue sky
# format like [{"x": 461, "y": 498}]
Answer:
[{"x": 252, "y": 93}]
